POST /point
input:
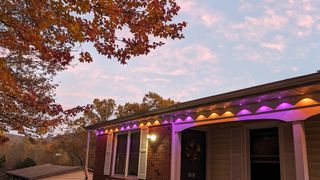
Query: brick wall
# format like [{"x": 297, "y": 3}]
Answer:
[
  {"x": 159, "y": 153},
  {"x": 100, "y": 156}
]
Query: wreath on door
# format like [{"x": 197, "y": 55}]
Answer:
[{"x": 192, "y": 150}]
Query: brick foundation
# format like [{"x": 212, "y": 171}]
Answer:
[{"x": 159, "y": 153}]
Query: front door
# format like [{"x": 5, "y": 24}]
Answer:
[
  {"x": 193, "y": 155},
  {"x": 264, "y": 154}
]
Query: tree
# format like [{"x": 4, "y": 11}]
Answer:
[
  {"x": 2, "y": 161},
  {"x": 27, "y": 101},
  {"x": 153, "y": 101},
  {"x": 37, "y": 39},
  {"x": 150, "y": 101},
  {"x": 28, "y": 162},
  {"x": 52, "y": 29},
  {"x": 74, "y": 145},
  {"x": 100, "y": 110}
]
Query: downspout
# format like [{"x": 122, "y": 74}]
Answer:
[{"x": 87, "y": 157}]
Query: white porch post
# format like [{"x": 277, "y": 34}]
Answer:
[
  {"x": 300, "y": 151},
  {"x": 175, "y": 155},
  {"x": 87, "y": 156}
]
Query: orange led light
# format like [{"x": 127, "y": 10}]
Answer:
[
  {"x": 214, "y": 115},
  {"x": 141, "y": 125},
  {"x": 227, "y": 114},
  {"x": 306, "y": 102},
  {"x": 201, "y": 117},
  {"x": 156, "y": 123}
]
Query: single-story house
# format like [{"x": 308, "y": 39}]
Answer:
[
  {"x": 266, "y": 132},
  {"x": 49, "y": 172}
]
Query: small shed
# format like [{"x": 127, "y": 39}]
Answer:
[{"x": 48, "y": 172}]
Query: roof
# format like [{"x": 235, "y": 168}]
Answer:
[
  {"x": 42, "y": 171},
  {"x": 295, "y": 82}
]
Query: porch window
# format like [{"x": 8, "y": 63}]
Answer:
[
  {"x": 130, "y": 154},
  {"x": 134, "y": 154},
  {"x": 121, "y": 153}
]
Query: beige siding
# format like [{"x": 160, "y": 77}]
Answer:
[
  {"x": 287, "y": 159},
  {"x": 219, "y": 154},
  {"x": 69, "y": 176},
  {"x": 312, "y": 128}
]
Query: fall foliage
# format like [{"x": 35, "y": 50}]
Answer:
[
  {"x": 40, "y": 38},
  {"x": 150, "y": 101},
  {"x": 106, "y": 109},
  {"x": 52, "y": 29}
]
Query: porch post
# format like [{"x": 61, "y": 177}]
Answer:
[
  {"x": 175, "y": 155},
  {"x": 87, "y": 157},
  {"x": 300, "y": 151}
]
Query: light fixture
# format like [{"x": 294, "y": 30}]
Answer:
[{"x": 152, "y": 137}]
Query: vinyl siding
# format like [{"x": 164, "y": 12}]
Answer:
[
  {"x": 219, "y": 154},
  {"x": 312, "y": 128}
]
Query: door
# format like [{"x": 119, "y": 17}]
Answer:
[
  {"x": 264, "y": 154},
  {"x": 193, "y": 155}
]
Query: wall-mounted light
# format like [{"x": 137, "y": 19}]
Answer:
[{"x": 152, "y": 137}]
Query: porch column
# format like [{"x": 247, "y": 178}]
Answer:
[
  {"x": 87, "y": 156},
  {"x": 300, "y": 151},
  {"x": 175, "y": 155}
]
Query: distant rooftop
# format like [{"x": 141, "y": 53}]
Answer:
[{"x": 42, "y": 171}]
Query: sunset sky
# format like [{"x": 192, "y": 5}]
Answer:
[{"x": 228, "y": 45}]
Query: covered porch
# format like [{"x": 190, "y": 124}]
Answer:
[
  {"x": 278, "y": 144},
  {"x": 271, "y": 131}
]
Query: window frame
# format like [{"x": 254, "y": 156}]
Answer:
[{"x": 125, "y": 175}]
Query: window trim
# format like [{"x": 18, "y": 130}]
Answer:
[{"x": 125, "y": 175}]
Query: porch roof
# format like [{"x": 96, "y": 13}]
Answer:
[{"x": 282, "y": 85}]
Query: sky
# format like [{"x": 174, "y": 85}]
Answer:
[{"x": 228, "y": 45}]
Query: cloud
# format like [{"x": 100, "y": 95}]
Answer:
[
  {"x": 211, "y": 19},
  {"x": 255, "y": 28},
  {"x": 305, "y": 21},
  {"x": 278, "y": 44},
  {"x": 200, "y": 14}
]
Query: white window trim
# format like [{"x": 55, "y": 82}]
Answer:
[{"x": 125, "y": 175}]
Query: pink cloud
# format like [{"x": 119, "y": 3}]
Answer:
[
  {"x": 305, "y": 21},
  {"x": 210, "y": 19},
  {"x": 278, "y": 44}
]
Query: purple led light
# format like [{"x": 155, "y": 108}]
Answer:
[
  {"x": 134, "y": 126},
  {"x": 244, "y": 112},
  {"x": 188, "y": 119},
  {"x": 264, "y": 109},
  {"x": 165, "y": 122},
  {"x": 179, "y": 120},
  {"x": 122, "y": 128},
  {"x": 284, "y": 106},
  {"x": 128, "y": 127}
]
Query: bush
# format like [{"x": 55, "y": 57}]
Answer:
[
  {"x": 28, "y": 162},
  {"x": 2, "y": 161}
]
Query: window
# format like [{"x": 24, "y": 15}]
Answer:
[
  {"x": 127, "y": 154},
  {"x": 121, "y": 153},
  {"x": 134, "y": 154}
]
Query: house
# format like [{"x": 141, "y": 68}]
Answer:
[
  {"x": 266, "y": 132},
  {"x": 48, "y": 172}
]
